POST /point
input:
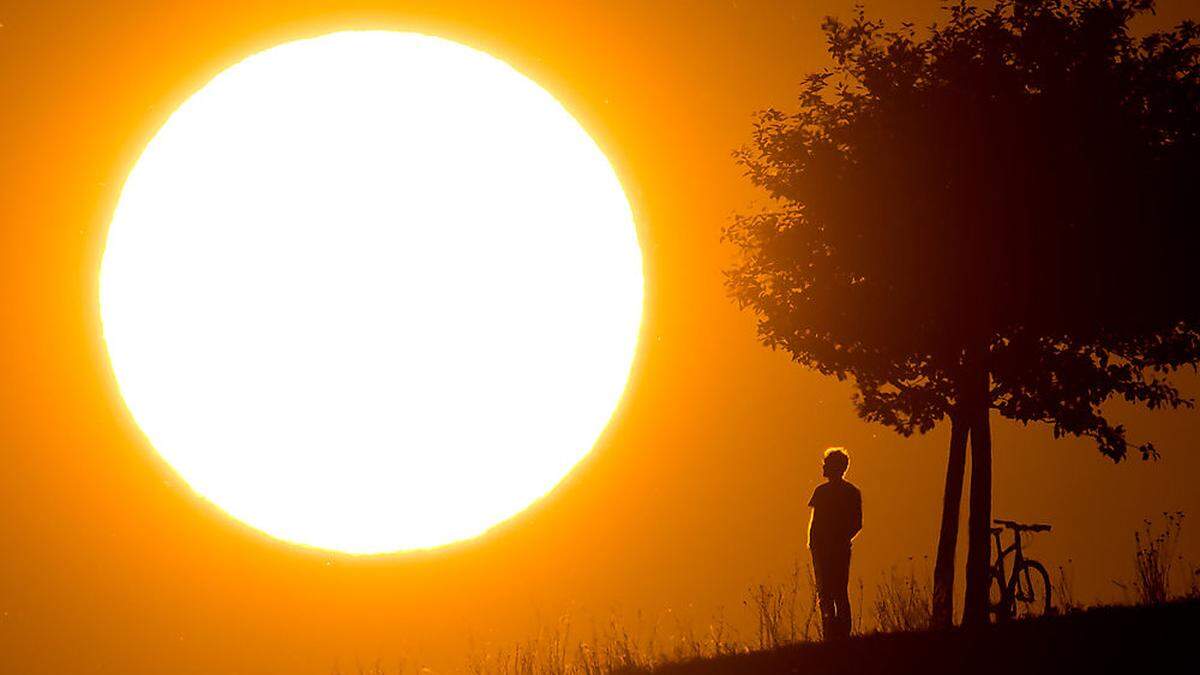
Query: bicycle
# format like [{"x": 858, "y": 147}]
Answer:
[{"x": 1026, "y": 592}]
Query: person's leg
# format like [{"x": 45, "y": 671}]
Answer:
[
  {"x": 842, "y": 598},
  {"x": 825, "y": 600}
]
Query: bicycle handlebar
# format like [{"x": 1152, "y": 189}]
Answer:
[{"x": 1023, "y": 527}]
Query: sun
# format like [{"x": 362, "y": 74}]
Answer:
[{"x": 372, "y": 291}]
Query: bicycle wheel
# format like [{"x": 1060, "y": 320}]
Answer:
[
  {"x": 1030, "y": 590},
  {"x": 999, "y": 600}
]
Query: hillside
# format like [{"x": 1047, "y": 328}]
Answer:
[{"x": 1101, "y": 640}]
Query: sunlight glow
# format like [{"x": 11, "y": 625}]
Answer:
[{"x": 372, "y": 291}]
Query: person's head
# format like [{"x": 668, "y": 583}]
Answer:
[{"x": 836, "y": 462}]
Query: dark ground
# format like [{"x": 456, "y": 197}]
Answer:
[{"x": 1128, "y": 640}]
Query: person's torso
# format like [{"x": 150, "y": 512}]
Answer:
[{"x": 835, "y": 507}]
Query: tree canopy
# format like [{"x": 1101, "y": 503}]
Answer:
[{"x": 1014, "y": 186}]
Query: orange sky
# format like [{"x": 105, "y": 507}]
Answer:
[{"x": 109, "y": 565}]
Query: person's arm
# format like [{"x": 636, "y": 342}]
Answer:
[
  {"x": 812, "y": 513},
  {"x": 856, "y": 517}
]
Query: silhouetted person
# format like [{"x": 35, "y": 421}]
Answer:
[{"x": 836, "y": 518}]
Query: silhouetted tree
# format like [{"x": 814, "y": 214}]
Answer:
[{"x": 993, "y": 214}]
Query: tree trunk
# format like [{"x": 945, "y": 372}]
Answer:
[
  {"x": 979, "y": 522},
  {"x": 943, "y": 570}
]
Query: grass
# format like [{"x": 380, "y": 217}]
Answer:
[
  {"x": 613, "y": 647},
  {"x": 786, "y": 630},
  {"x": 1065, "y": 600},
  {"x": 786, "y": 613},
  {"x": 903, "y": 602},
  {"x": 783, "y": 614},
  {"x": 1156, "y": 557}
]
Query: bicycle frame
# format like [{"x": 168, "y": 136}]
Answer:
[
  {"x": 1008, "y": 583},
  {"x": 1002, "y": 552}
]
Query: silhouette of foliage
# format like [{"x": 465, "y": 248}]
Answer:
[
  {"x": 1024, "y": 176},
  {"x": 994, "y": 213}
]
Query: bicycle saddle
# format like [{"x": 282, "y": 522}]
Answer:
[{"x": 1023, "y": 527}]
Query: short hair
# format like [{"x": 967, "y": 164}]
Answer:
[{"x": 837, "y": 458}]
